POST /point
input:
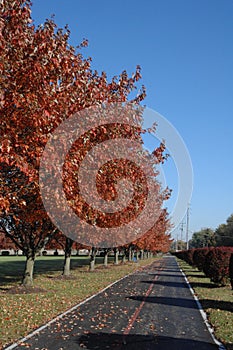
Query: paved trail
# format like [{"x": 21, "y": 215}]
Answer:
[{"x": 151, "y": 309}]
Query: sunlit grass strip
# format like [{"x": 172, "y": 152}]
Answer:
[{"x": 216, "y": 301}]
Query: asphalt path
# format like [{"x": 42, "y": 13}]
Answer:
[{"x": 150, "y": 309}]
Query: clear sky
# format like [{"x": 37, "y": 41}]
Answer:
[{"x": 185, "y": 50}]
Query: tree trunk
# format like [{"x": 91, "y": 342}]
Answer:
[
  {"x": 92, "y": 259},
  {"x": 123, "y": 258},
  {"x": 116, "y": 256},
  {"x": 28, "y": 272},
  {"x": 66, "y": 266},
  {"x": 123, "y": 261},
  {"x": 130, "y": 254},
  {"x": 142, "y": 254},
  {"x": 106, "y": 258}
]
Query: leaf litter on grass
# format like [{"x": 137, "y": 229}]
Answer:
[{"x": 23, "y": 313}]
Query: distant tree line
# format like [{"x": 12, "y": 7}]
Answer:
[{"x": 207, "y": 237}]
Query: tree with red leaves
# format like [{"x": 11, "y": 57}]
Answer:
[
  {"x": 6, "y": 242},
  {"x": 45, "y": 81},
  {"x": 157, "y": 239},
  {"x": 25, "y": 222}
]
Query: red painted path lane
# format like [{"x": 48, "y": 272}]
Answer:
[{"x": 150, "y": 309}]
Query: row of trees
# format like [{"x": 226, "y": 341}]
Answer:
[
  {"x": 44, "y": 82},
  {"x": 19, "y": 237},
  {"x": 222, "y": 236}
]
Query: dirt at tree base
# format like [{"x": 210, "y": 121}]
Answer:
[{"x": 20, "y": 289}]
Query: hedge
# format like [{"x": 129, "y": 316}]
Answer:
[
  {"x": 231, "y": 270},
  {"x": 199, "y": 256},
  {"x": 215, "y": 262}
]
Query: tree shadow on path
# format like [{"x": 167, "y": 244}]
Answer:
[
  {"x": 180, "y": 302},
  {"x": 186, "y": 303},
  {"x": 168, "y": 283},
  {"x": 104, "y": 341}
]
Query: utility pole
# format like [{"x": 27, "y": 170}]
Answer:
[
  {"x": 177, "y": 238},
  {"x": 187, "y": 229},
  {"x": 181, "y": 234}
]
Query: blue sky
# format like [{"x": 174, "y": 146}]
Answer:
[{"x": 185, "y": 50}]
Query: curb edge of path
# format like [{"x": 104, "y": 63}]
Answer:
[
  {"x": 203, "y": 314},
  {"x": 58, "y": 317}
]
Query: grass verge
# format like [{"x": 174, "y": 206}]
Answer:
[
  {"x": 216, "y": 301},
  {"x": 22, "y": 313}
]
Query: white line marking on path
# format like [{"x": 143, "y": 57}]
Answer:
[
  {"x": 203, "y": 314},
  {"x": 36, "y": 331},
  {"x": 46, "y": 325}
]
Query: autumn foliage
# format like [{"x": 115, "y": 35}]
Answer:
[
  {"x": 6, "y": 242},
  {"x": 45, "y": 80},
  {"x": 231, "y": 270},
  {"x": 199, "y": 256},
  {"x": 157, "y": 238},
  {"x": 215, "y": 262}
]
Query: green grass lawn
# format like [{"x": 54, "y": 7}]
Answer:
[
  {"x": 216, "y": 301},
  {"x": 12, "y": 267},
  {"x": 21, "y": 313}
]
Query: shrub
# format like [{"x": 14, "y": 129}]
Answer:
[
  {"x": 231, "y": 270},
  {"x": 186, "y": 255},
  {"x": 189, "y": 256},
  {"x": 199, "y": 257},
  {"x": 217, "y": 263},
  {"x": 177, "y": 254}
]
